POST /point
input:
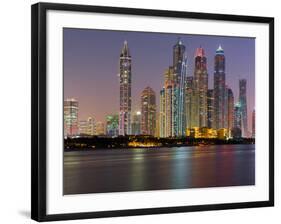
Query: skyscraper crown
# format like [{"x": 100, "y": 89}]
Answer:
[
  {"x": 219, "y": 50},
  {"x": 200, "y": 52},
  {"x": 125, "y": 50},
  {"x": 179, "y": 42}
]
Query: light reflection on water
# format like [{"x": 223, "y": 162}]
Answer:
[{"x": 119, "y": 170}]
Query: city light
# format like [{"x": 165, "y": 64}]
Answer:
[{"x": 187, "y": 107}]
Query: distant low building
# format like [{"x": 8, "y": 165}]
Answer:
[
  {"x": 203, "y": 132},
  {"x": 112, "y": 125},
  {"x": 100, "y": 128},
  {"x": 87, "y": 127},
  {"x": 223, "y": 133},
  {"x": 236, "y": 132}
]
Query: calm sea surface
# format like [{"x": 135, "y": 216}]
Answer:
[{"x": 120, "y": 170}]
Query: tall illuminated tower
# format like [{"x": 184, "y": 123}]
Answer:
[
  {"x": 70, "y": 110},
  {"x": 236, "y": 130},
  {"x": 219, "y": 90},
  {"x": 136, "y": 123},
  {"x": 230, "y": 109},
  {"x": 254, "y": 124},
  {"x": 201, "y": 85},
  {"x": 148, "y": 112},
  {"x": 125, "y": 80},
  {"x": 180, "y": 73},
  {"x": 172, "y": 117},
  {"x": 168, "y": 103},
  {"x": 243, "y": 103},
  {"x": 178, "y": 58},
  {"x": 210, "y": 102},
  {"x": 162, "y": 114}
]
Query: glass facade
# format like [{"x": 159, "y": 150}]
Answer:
[
  {"x": 148, "y": 112},
  {"x": 125, "y": 80}
]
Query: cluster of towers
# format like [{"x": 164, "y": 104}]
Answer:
[{"x": 186, "y": 102}]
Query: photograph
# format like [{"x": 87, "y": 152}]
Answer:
[{"x": 147, "y": 111}]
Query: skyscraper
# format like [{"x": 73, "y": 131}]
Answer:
[
  {"x": 210, "y": 109},
  {"x": 254, "y": 124},
  {"x": 201, "y": 85},
  {"x": 136, "y": 123},
  {"x": 162, "y": 114},
  {"x": 243, "y": 103},
  {"x": 236, "y": 130},
  {"x": 70, "y": 110},
  {"x": 112, "y": 125},
  {"x": 172, "y": 119},
  {"x": 219, "y": 90},
  {"x": 167, "y": 99},
  {"x": 178, "y": 54},
  {"x": 125, "y": 80},
  {"x": 230, "y": 109},
  {"x": 180, "y": 73},
  {"x": 148, "y": 112}
]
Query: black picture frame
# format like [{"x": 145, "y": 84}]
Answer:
[{"x": 39, "y": 107}]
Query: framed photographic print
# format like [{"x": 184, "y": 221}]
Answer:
[{"x": 138, "y": 111}]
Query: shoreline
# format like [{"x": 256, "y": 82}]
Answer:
[{"x": 148, "y": 148}]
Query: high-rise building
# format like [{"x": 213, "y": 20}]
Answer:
[
  {"x": 172, "y": 120},
  {"x": 157, "y": 130},
  {"x": 112, "y": 125},
  {"x": 162, "y": 114},
  {"x": 70, "y": 110},
  {"x": 148, "y": 112},
  {"x": 236, "y": 130},
  {"x": 170, "y": 101},
  {"x": 136, "y": 123},
  {"x": 189, "y": 93},
  {"x": 192, "y": 118},
  {"x": 125, "y": 80},
  {"x": 210, "y": 109},
  {"x": 219, "y": 90},
  {"x": 254, "y": 124},
  {"x": 179, "y": 72},
  {"x": 201, "y": 85},
  {"x": 87, "y": 127},
  {"x": 230, "y": 109},
  {"x": 178, "y": 55},
  {"x": 243, "y": 103}
]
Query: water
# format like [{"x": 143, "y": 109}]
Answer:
[{"x": 120, "y": 170}]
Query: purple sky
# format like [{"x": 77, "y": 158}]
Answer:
[{"x": 91, "y": 65}]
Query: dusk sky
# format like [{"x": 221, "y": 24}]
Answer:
[{"x": 91, "y": 66}]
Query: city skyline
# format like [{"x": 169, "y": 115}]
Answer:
[{"x": 87, "y": 106}]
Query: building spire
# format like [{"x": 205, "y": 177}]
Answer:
[
  {"x": 125, "y": 50},
  {"x": 179, "y": 42},
  {"x": 219, "y": 50}
]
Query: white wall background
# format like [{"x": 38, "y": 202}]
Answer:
[{"x": 15, "y": 110}]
